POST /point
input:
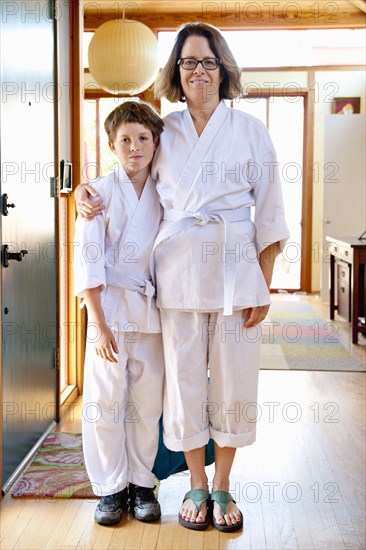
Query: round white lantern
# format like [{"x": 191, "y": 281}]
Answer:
[{"x": 123, "y": 57}]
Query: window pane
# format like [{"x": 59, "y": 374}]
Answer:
[
  {"x": 279, "y": 48},
  {"x": 286, "y": 126},
  {"x": 90, "y": 170},
  {"x": 255, "y": 106}
]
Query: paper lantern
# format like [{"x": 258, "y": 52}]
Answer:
[{"x": 123, "y": 57}]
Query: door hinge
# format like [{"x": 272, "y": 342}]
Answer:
[
  {"x": 57, "y": 359},
  {"x": 51, "y": 8},
  {"x": 54, "y": 187}
]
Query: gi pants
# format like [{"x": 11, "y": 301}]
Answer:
[
  {"x": 122, "y": 405},
  {"x": 222, "y": 407}
]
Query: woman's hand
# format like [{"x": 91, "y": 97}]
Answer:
[
  {"x": 255, "y": 315},
  {"x": 86, "y": 207},
  {"x": 106, "y": 345}
]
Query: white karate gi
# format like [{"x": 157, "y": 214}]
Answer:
[
  {"x": 206, "y": 263},
  {"x": 122, "y": 403}
]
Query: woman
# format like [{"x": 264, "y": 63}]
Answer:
[{"x": 213, "y": 265}]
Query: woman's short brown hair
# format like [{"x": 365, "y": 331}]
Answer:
[
  {"x": 168, "y": 83},
  {"x": 133, "y": 111}
]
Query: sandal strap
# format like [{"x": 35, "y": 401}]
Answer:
[
  {"x": 198, "y": 496},
  {"x": 222, "y": 498}
]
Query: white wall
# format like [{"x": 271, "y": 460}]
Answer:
[{"x": 345, "y": 83}]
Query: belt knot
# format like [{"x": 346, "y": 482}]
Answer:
[{"x": 201, "y": 217}]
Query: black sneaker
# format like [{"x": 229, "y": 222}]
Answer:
[
  {"x": 109, "y": 509},
  {"x": 143, "y": 503}
]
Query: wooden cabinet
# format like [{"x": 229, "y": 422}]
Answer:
[{"x": 348, "y": 281}]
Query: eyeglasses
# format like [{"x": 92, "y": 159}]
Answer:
[{"x": 189, "y": 63}]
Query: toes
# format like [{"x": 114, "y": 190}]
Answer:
[
  {"x": 229, "y": 519},
  {"x": 184, "y": 513},
  {"x": 191, "y": 514}
]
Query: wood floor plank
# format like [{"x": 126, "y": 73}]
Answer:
[
  {"x": 11, "y": 535},
  {"x": 167, "y": 538},
  {"x": 119, "y": 536},
  {"x": 150, "y": 536},
  {"x": 82, "y": 521},
  {"x": 135, "y": 533},
  {"x": 69, "y": 509},
  {"x": 37, "y": 534}
]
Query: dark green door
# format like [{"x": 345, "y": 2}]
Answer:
[{"x": 27, "y": 149}]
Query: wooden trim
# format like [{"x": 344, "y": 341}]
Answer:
[
  {"x": 283, "y": 68},
  {"x": 97, "y": 136},
  {"x": 360, "y": 4},
  {"x": 305, "y": 68},
  {"x": 68, "y": 396},
  {"x": 267, "y": 110},
  {"x": 307, "y": 186},
  {"x": 320, "y": 20},
  {"x": 76, "y": 317},
  {"x": 268, "y": 92}
]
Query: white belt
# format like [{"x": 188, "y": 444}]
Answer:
[
  {"x": 182, "y": 219},
  {"x": 126, "y": 282}
]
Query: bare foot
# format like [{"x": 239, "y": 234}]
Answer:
[
  {"x": 232, "y": 516},
  {"x": 189, "y": 513}
]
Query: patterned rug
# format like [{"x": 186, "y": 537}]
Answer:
[
  {"x": 57, "y": 471},
  {"x": 294, "y": 337}
]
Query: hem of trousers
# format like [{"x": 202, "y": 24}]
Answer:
[
  {"x": 233, "y": 440},
  {"x": 189, "y": 443},
  {"x": 102, "y": 490},
  {"x": 142, "y": 480}
]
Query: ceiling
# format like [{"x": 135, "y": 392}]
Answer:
[{"x": 259, "y": 14}]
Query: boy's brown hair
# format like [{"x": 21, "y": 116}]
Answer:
[{"x": 133, "y": 111}]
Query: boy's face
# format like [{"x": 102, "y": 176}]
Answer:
[{"x": 134, "y": 147}]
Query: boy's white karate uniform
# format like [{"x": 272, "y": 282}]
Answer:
[
  {"x": 207, "y": 271},
  {"x": 122, "y": 403}
]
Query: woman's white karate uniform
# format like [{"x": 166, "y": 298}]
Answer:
[
  {"x": 207, "y": 271},
  {"x": 122, "y": 403}
]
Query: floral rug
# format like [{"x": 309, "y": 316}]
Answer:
[{"x": 57, "y": 471}]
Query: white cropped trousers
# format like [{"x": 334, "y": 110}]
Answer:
[
  {"x": 222, "y": 407},
  {"x": 122, "y": 405}
]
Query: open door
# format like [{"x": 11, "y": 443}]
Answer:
[{"x": 29, "y": 252}]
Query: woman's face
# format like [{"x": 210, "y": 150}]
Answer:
[{"x": 199, "y": 85}]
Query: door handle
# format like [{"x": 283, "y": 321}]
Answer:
[
  {"x": 6, "y": 256},
  {"x": 4, "y": 205}
]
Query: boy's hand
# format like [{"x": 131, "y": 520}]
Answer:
[
  {"x": 86, "y": 207},
  {"x": 106, "y": 345}
]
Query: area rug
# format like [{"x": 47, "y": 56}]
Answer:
[
  {"x": 57, "y": 471},
  {"x": 295, "y": 337}
]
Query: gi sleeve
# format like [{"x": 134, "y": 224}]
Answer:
[
  {"x": 89, "y": 253},
  {"x": 269, "y": 215}
]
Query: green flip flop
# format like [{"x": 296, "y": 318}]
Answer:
[
  {"x": 198, "y": 496},
  {"x": 223, "y": 498}
]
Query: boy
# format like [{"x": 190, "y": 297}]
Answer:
[{"x": 124, "y": 365}]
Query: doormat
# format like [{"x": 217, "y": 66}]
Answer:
[
  {"x": 294, "y": 337},
  {"x": 57, "y": 471}
]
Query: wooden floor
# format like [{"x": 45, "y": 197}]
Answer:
[{"x": 300, "y": 486}]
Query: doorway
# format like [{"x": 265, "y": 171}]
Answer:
[{"x": 284, "y": 117}]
